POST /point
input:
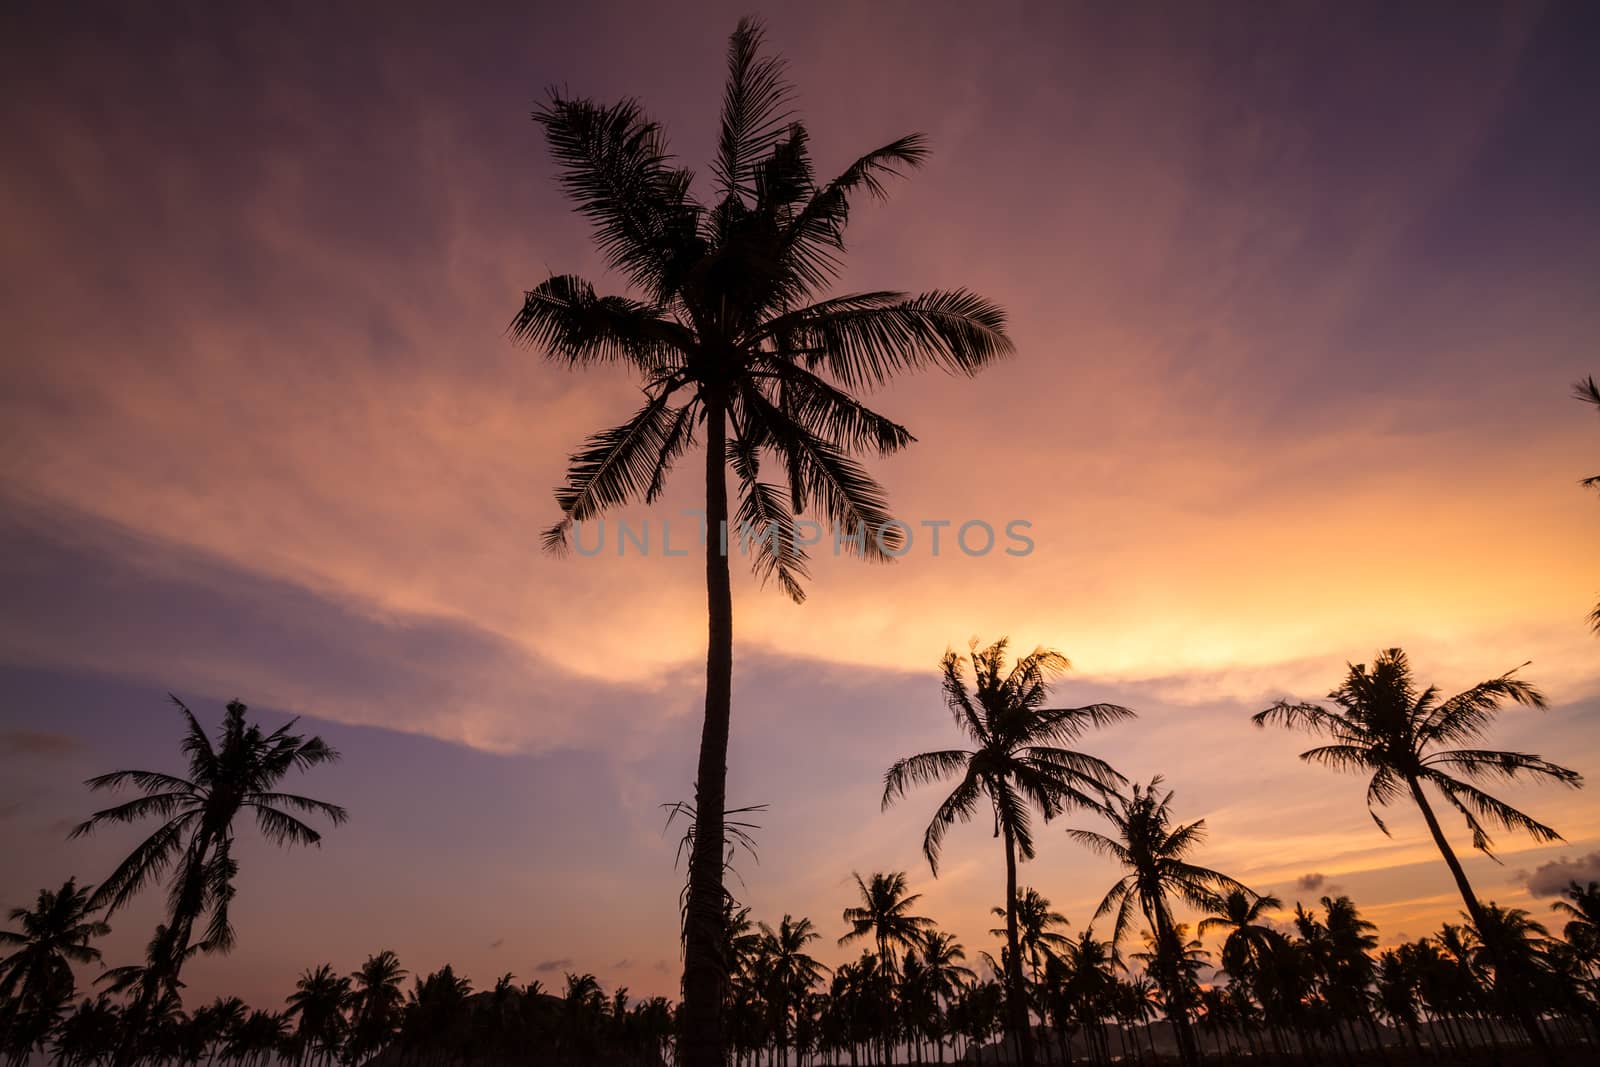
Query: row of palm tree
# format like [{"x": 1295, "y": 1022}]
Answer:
[
  {"x": 1381, "y": 723},
  {"x": 328, "y": 1019},
  {"x": 1312, "y": 988}
]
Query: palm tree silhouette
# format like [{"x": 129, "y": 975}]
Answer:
[
  {"x": 732, "y": 339},
  {"x": 1154, "y": 851},
  {"x": 376, "y": 998},
  {"x": 36, "y": 977},
  {"x": 789, "y": 969},
  {"x": 1017, "y": 765},
  {"x": 1248, "y": 943},
  {"x": 240, "y": 772},
  {"x": 317, "y": 1004},
  {"x": 1036, "y": 933},
  {"x": 884, "y": 915},
  {"x": 1385, "y": 727}
]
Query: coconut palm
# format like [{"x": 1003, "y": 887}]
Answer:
[
  {"x": 789, "y": 969},
  {"x": 1248, "y": 941},
  {"x": 376, "y": 998},
  {"x": 1154, "y": 851},
  {"x": 1017, "y": 765},
  {"x": 36, "y": 978},
  {"x": 195, "y": 839},
  {"x": 1382, "y": 725},
  {"x": 317, "y": 1006},
  {"x": 885, "y": 916},
  {"x": 1582, "y": 911},
  {"x": 1036, "y": 928},
  {"x": 729, "y": 330}
]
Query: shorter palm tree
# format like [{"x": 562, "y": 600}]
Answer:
[
  {"x": 1037, "y": 925},
  {"x": 317, "y": 1005},
  {"x": 36, "y": 978},
  {"x": 239, "y": 774},
  {"x": 884, "y": 914},
  {"x": 1154, "y": 852},
  {"x": 376, "y": 998},
  {"x": 1017, "y": 765},
  {"x": 790, "y": 971}
]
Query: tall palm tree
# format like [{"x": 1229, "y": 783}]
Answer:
[
  {"x": 1382, "y": 725},
  {"x": 36, "y": 976},
  {"x": 1589, "y": 392},
  {"x": 1154, "y": 852},
  {"x": 1017, "y": 765},
  {"x": 239, "y": 773},
  {"x": 885, "y": 915},
  {"x": 733, "y": 338}
]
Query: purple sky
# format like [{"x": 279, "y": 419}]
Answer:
[{"x": 1299, "y": 296}]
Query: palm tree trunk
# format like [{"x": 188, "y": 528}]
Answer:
[
  {"x": 1017, "y": 1004},
  {"x": 1519, "y": 1005},
  {"x": 705, "y": 972}
]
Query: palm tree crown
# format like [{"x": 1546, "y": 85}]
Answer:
[
  {"x": 885, "y": 915},
  {"x": 728, "y": 327},
  {"x": 1383, "y": 725}
]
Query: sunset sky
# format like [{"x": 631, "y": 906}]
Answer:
[{"x": 1299, "y": 297}]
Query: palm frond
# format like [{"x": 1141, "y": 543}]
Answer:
[
  {"x": 922, "y": 769},
  {"x": 865, "y": 345},
  {"x": 563, "y": 316},
  {"x": 766, "y": 528},
  {"x": 754, "y": 109},
  {"x": 614, "y": 167},
  {"x": 615, "y": 467}
]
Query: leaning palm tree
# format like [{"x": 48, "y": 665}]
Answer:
[
  {"x": 239, "y": 773},
  {"x": 1383, "y": 726},
  {"x": 1017, "y": 765},
  {"x": 36, "y": 976},
  {"x": 730, "y": 331},
  {"x": 1154, "y": 852}
]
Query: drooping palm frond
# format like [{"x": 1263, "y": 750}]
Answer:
[{"x": 615, "y": 169}]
